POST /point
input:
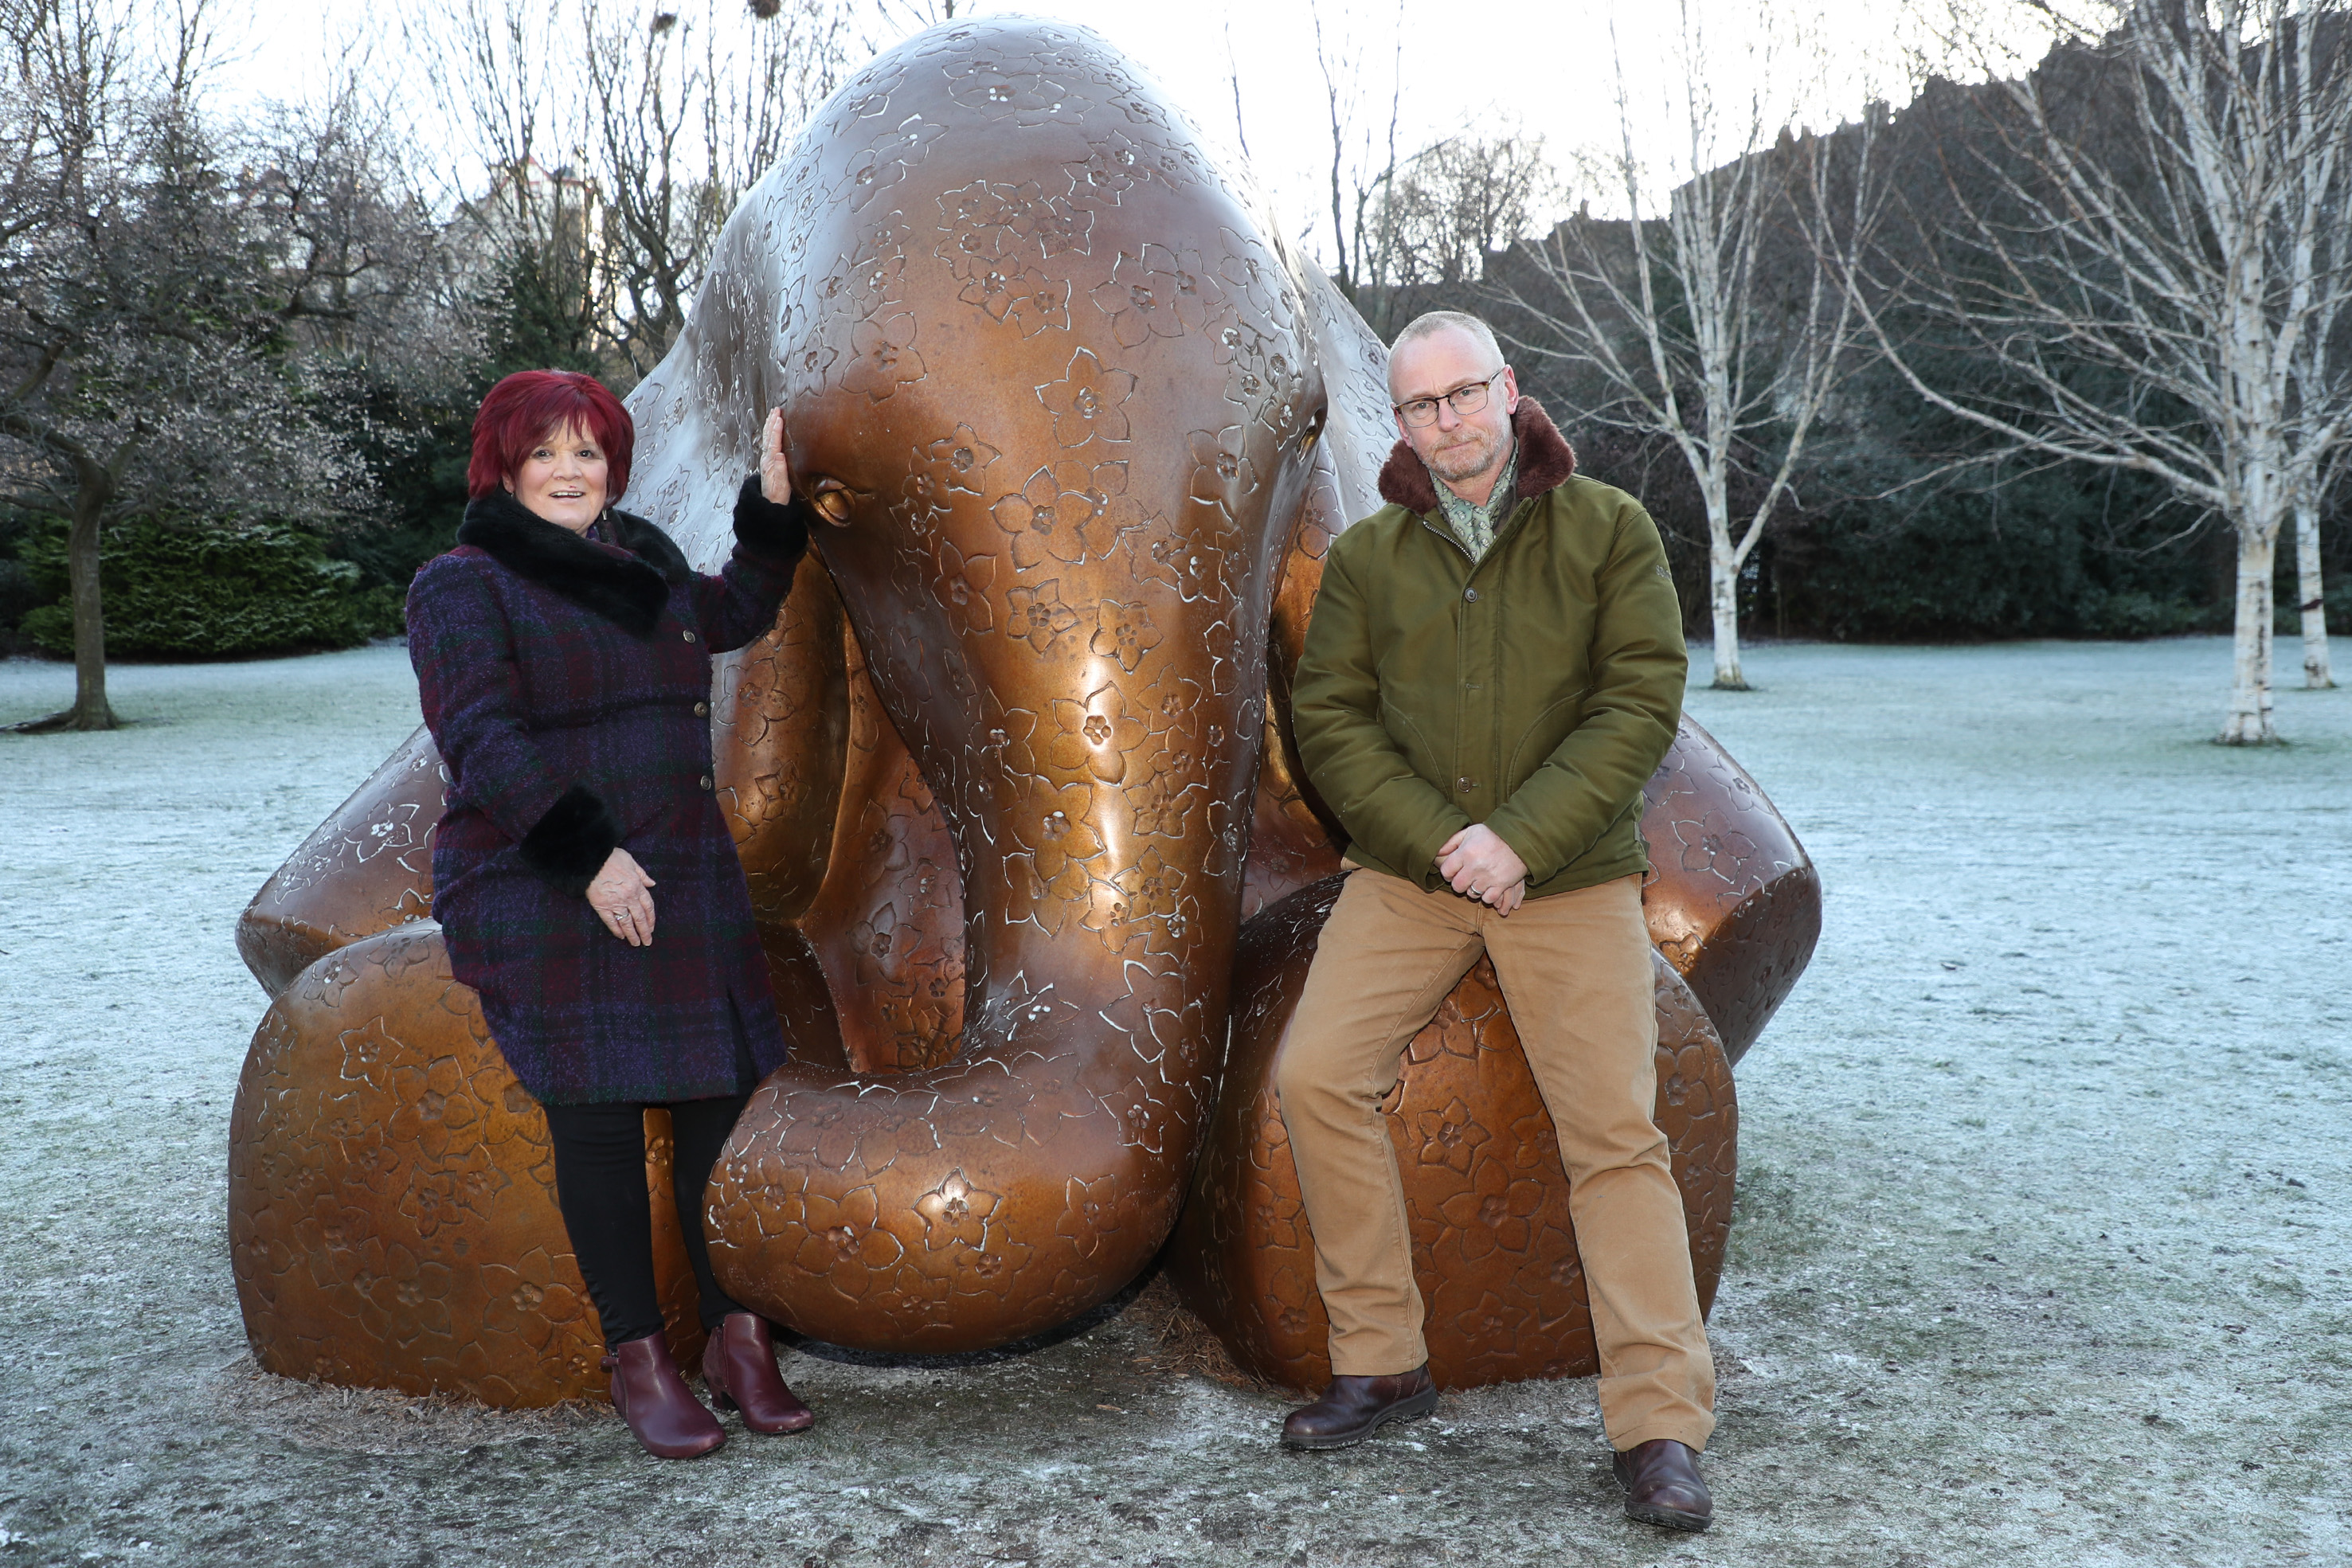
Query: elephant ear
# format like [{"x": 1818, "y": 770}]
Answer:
[{"x": 1294, "y": 838}]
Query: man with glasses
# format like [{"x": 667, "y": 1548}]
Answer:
[{"x": 1494, "y": 669}]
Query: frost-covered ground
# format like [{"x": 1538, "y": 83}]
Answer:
[{"x": 2040, "y": 1259}]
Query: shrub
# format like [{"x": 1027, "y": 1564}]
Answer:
[
  {"x": 2054, "y": 552},
  {"x": 178, "y": 589},
  {"x": 17, "y": 596}
]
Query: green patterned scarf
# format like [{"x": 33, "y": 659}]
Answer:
[{"x": 1474, "y": 526}]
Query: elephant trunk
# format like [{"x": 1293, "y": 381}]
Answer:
[{"x": 1098, "y": 802}]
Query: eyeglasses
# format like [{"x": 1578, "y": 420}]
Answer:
[{"x": 1468, "y": 399}]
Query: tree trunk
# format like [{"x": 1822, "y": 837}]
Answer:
[
  {"x": 90, "y": 710},
  {"x": 2311, "y": 595},
  {"x": 1723, "y": 595},
  {"x": 2249, "y": 722},
  {"x": 1722, "y": 578}
]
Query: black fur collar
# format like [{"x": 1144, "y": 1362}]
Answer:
[{"x": 629, "y": 590}]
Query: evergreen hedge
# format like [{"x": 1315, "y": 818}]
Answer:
[{"x": 179, "y": 589}]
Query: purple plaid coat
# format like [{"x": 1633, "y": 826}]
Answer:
[{"x": 567, "y": 683}]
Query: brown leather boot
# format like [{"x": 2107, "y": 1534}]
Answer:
[
  {"x": 1662, "y": 1485},
  {"x": 657, "y": 1403},
  {"x": 1354, "y": 1408},
  {"x": 739, "y": 1363}
]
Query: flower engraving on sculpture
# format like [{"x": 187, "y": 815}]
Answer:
[
  {"x": 887, "y": 161},
  {"x": 949, "y": 466},
  {"x": 1067, "y": 512},
  {"x": 1038, "y": 616},
  {"x": 1027, "y": 99},
  {"x": 1096, "y": 736},
  {"x": 962, "y": 585},
  {"x": 1088, "y": 1212},
  {"x": 886, "y": 358},
  {"x": 1125, "y": 632},
  {"x": 1054, "y": 824},
  {"x": 1711, "y": 842},
  {"x": 1450, "y": 1137},
  {"x": 1146, "y": 894},
  {"x": 1087, "y": 401},
  {"x": 955, "y": 1213},
  {"x": 1152, "y": 293}
]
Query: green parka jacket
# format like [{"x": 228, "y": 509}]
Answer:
[{"x": 1534, "y": 691}]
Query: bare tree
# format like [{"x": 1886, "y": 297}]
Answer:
[
  {"x": 1458, "y": 201},
  {"x": 2137, "y": 249},
  {"x": 619, "y": 139},
  {"x": 363, "y": 276},
  {"x": 2311, "y": 588},
  {"x": 144, "y": 308},
  {"x": 1715, "y": 324},
  {"x": 1363, "y": 149},
  {"x": 2320, "y": 390},
  {"x": 898, "y": 15}
]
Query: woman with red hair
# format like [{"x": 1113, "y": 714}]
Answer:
[{"x": 563, "y": 655}]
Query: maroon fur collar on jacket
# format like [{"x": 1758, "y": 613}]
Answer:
[{"x": 1546, "y": 460}]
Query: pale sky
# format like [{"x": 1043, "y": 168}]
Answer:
[{"x": 1544, "y": 64}]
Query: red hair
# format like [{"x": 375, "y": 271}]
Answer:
[{"x": 528, "y": 406}]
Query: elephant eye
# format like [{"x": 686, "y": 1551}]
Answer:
[{"x": 831, "y": 501}]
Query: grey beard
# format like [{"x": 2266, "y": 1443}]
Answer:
[{"x": 1461, "y": 463}]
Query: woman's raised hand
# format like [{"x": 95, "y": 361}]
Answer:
[
  {"x": 775, "y": 468},
  {"x": 618, "y": 896}
]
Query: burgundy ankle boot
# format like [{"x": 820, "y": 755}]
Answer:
[
  {"x": 657, "y": 1403},
  {"x": 740, "y": 1364}
]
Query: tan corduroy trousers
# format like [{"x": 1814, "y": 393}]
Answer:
[{"x": 1575, "y": 970}]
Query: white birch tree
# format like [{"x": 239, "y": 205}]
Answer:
[
  {"x": 2135, "y": 257},
  {"x": 2320, "y": 391},
  {"x": 1688, "y": 321},
  {"x": 2311, "y": 586}
]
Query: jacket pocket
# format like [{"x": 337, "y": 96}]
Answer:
[
  {"x": 1541, "y": 725},
  {"x": 1415, "y": 745}
]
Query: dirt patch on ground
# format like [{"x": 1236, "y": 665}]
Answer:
[{"x": 1184, "y": 1346}]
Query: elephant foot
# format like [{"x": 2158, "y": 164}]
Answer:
[{"x": 392, "y": 1200}]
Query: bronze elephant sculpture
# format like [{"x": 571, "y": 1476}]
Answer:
[{"x": 1013, "y": 790}]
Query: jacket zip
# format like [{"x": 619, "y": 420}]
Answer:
[{"x": 1447, "y": 534}]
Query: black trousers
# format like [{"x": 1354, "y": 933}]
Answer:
[{"x": 600, "y": 1184}]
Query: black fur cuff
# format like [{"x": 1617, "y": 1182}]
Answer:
[
  {"x": 571, "y": 842},
  {"x": 764, "y": 529}
]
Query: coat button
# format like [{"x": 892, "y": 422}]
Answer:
[
  {"x": 1466, "y": 784},
  {"x": 1471, "y": 594},
  {"x": 703, "y": 710},
  {"x": 689, "y": 636},
  {"x": 706, "y": 782}
]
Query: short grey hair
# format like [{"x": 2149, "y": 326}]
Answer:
[{"x": 1432, "y": 322}]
